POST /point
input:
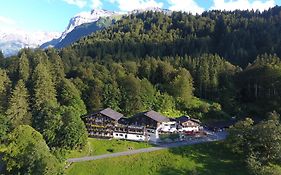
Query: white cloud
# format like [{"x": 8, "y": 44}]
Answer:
[
  {"x": 6, "y": 21},
  {"x": 96, "y": 4},
  {"x": 242, "y": 5},
  {"x": 129, "y": 5},
  {"x": 7, "y": 24},
  {"x": 185, "y": 5},
  {"x": 79, "y": 3}
]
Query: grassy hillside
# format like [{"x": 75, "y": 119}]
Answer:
[
  {"x": 103, "y": 146},
  {"x": 207, "y": 159}
]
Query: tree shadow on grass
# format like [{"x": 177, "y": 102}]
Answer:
[
  {"x": 214, "y": 158},
  {"x": 175, "y": 171}
]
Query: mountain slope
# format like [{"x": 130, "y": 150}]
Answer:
[
  {"x": 11, "y": 42},
  {"x": 85, "y": 30},
  {"x": 79, "y": 19},
  {"x": 237, "y": 36},
  {"x": 86, "y": 23},
  {"x": 86, "y": 17}
]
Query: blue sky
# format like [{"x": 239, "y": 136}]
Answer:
[{"x": 54, "y": 15}]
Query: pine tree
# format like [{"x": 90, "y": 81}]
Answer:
[
  {"x": 73, "y": 133},
  {"x": 57, "y": 68},
  {"x": 46, "y": 112},
  {"x": 23, "y": 69},
  {"x": 70, "y": 96},
  {"x": 1, "y": 55},
  {"x": 95, "y": 96},
  {"x": 18, "y": 109},
  {"x": 147, "y": 94},
  {"x": 111, "y": 96},
  {"x": 5, "y": 85},
  {"x": 182, "y": 86},
  {"x": 4, "y": 127},
  {"x": 44, "y": 89}
]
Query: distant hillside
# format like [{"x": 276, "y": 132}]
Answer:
[
  {"x": 12, "y": 41},
  {"x": 79, "y": 19},
  {"x": 237, "y": 36},
  {"x": 85, "y": 30}
]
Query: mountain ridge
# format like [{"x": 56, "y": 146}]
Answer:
[
  {"x": 12, "y": 41},
  {"x": 91, "y": 18}
]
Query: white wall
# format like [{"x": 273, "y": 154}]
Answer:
[
  {"x": 127, "y": 136},
  {"x": 168, "y": 127},
  {"x": 195, "y": 129}
]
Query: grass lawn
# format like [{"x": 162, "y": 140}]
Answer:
[
  {"x": 205, "y": 159},
  {"x": 102, "y": 146}
]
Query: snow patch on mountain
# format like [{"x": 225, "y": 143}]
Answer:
[
  {"x": 86, "y": 17},
  {"x": 94, "y": 16},
  {"x": 12, "y": 41},
  {"x": 153, "y": 9}
]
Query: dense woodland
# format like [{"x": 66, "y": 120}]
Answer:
[
  {"x": 238, "y": 36},
  {"x": 212, "y": 66}
]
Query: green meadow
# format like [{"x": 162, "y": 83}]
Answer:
[
  {"x": 205, "y": 159},
  {"x": 104, "y": 146}
]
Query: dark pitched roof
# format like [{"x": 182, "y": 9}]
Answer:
[
  {"x": 156, "y": 116},
  {"x": 183, "y": 119},
  {"x": 111, "y": 113}
]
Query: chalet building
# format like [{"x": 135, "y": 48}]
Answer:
[
  {"x": 102, "y": 123},
  {"x": 129, "y": 132},
  {"x": 144, "y": 126},
  {"x": 149, "y": 119},
  {"x": 185, "y": 123},
  {"x": 154, "y": 124}
]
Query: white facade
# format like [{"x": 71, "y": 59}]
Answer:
[
  {"x": 150, "y": 135},
  {"x": 168, "y": 126},
  {"x": 129, "y": 136},
  {"x": 189, "y": 128}
]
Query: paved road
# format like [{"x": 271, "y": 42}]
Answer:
[{"x": 210, "y": 138}]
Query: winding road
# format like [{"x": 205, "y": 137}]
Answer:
[{"x": 211, "y": 137}]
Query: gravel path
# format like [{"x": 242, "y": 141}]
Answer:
[{"x": 210, "y": 138}]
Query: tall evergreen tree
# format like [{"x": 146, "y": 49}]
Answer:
[
  {"x": 57, "y": 68},
  {"x": 111, "y": 96},
  {"x": 130, "y": 90},
  {"x": 182, "y": 86},
  {"x": 73, "y": 133},
  {"x": 1, "y": 55},
  {"x": 24, "y": 69},
  {"x": 18, "y": 108},
  {"x": 5, "y": 85},
  {"x": 46, "y": 112},
  {"x": 69, "y": 96},
  {"x": 44, "y": 89},
  {"x": 5, "y": 126}
]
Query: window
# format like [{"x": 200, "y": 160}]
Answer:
[
  {"x": 121, "y": 135},
  {"x": 116, "y": 134}
]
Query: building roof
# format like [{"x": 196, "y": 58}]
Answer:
[
  {"x": 184, "y": 119},
  {"x": 111, "y": 113},
  {"x": 156, "y": 116}
]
